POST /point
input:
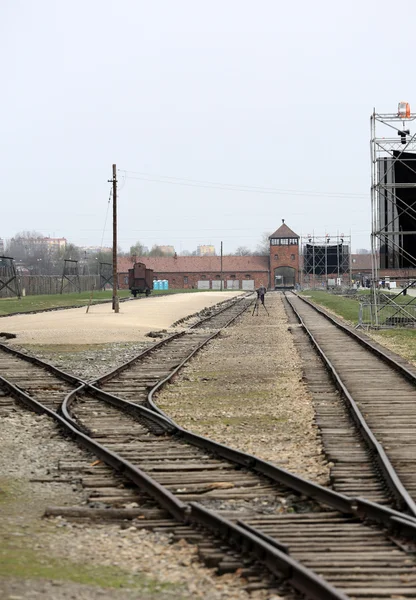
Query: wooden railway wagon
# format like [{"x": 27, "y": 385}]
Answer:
[{"x": 140, "y": 279}]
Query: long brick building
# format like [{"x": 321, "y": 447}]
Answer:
[{"x": 279, "y": 268}]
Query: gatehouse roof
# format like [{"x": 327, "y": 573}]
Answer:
[{"x": 283, "y": 232}]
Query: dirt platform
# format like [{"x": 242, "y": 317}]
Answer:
[{"x": 102, "y": 325}]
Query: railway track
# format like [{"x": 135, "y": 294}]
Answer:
[
  {"x": 355, "y": 545},
  {"x": 39, "y": 380},
  {"x": 352, "y": 469},
  {"x": 379, "y": 394}
]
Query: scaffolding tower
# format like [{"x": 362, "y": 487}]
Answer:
[
  {"x": 393, "y": 195},
  {"x": 326, "y": 260}
]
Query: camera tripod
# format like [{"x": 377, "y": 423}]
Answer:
[{"x": 256, "y": 305}]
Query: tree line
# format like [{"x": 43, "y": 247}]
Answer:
[{"x": 34, "y": 254}]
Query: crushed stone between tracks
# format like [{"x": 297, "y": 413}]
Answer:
[{"x": 245, "y": 389}]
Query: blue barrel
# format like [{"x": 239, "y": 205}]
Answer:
[
  {"x": 165, "y": 284},
  {"x": 155, "y": 284}
]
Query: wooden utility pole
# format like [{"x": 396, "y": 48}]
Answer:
[
  {"x": 221, "y": 267},
  {"x": 115, "y": 297}
]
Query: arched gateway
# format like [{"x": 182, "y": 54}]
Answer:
[{"x": 284, "y": 278}]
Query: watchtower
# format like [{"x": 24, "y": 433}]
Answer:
[
  {"x": 71, "y": 275},
  {"x": 284, "y": 258},
  {"x": 9, "y": 280}
]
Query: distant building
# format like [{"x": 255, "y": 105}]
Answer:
[
  {"x": 95, "y": 249},
  {"x": 168, "y": 250},
  {"x": 53, "y": 243},
  {"x": 206, "y": 250}
]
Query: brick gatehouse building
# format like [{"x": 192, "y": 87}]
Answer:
[{"x": 278, "y": 269}]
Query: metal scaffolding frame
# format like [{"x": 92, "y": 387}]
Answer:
[
  {"x": 8, "y": 276},
  {"x": 325, "y": 257},
  {"x": 388, "y": 240}
]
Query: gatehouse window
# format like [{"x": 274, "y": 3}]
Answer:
[
  {"x": 292, "y": 257},
  {"x": 284, "y": 241},
  {"x": 276, "y": 257},
  {"x": 248, "y": 276},
  {"x": 203, "y": 276}
]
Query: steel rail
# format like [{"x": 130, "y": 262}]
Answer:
[{"x": 377, "y": 451}]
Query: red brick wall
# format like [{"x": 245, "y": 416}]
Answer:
[
  {"x": 398, "y": 273},
  {"x": 287, "y": 256},
  {"x": 177, "y": 280},
  {"x": 392, "y": 273}
]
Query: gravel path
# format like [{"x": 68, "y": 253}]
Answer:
[
  {"x": 100, "y": 325},
  {"x": 245, "y": 390}
]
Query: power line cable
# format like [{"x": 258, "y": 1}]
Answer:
[
  {"x": 231, "y": 186},
  {"x": 106, "y": 217}
]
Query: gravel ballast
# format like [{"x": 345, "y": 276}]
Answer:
[{"x": 245, "y": 390}]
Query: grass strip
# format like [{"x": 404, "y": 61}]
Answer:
[{"x": 10, "y": 306}]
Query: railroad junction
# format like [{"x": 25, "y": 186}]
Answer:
[{"x": 284, "y": 480}]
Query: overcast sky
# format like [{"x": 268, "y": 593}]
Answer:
[{"x": 264, "y": 94}]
